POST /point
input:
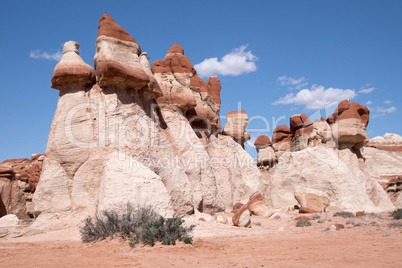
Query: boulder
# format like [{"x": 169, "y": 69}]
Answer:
[
  {"x": 9, "y": 220},
  {"x": 237, "y": 207},
  {"x": 304, "y": 210},
  {"x": 221, "y": 217},
  {"x": 312, "y": 201},
  {"x": 302, "y": 218},
  {"x": 242, "y": 218}
]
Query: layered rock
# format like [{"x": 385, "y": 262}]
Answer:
[
  {"x": 266, "y": 154},
  {"x": 390, "y": 142},
  {"x": 281, "y": 139},
  {"x": 117, "y": 61},
  {"x": 173, "y": 74},
  {"x": 301, "y": 129},
  {"x": 126, "y": 139},
  {"x": 338, "y": 174},
  {"x": 383, "y": 156},
  {"x": 72, "y": 70},
  {"x": 236, "y": 125},
  {"x": 18, "y": 180},
  {"x": 184, "y": 89},
  {"x": 312, "y": 201},
  {"x": 348, "y": 125}
]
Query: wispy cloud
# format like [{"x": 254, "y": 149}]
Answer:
[
  {"x": 379, "y": 111},
  {"x": 292, "y": 82},
  {"x": 237, "y": 62},
  {"x": 38, "y": 54},
  {"x": 317, "y": 97},
  {"x": 369, "y": 102},
  {"x": 366, "y": 89},
  {"x": 388, "y": 102}
]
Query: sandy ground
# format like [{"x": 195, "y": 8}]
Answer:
[{"x": 269, "y": 243}]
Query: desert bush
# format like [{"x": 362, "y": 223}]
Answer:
[
  {"x": 359, "y": 224},
  {"x": 373, "y": 223},
  {"x": 350, "y": 222},
  {"x": 395, "y": 224},
  {"x": 375, "y": 215},
  {"x": 397, "y": 214},
  {"x": 344, "y": 214},
  {"x": 167, "y": 231},
  {"x": 303, "y": 223},
  {"x": 316, "y": 217},
  {"x": 111, "y": 224}
]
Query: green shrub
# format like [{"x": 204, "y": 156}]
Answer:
[
  {"x": 111, "y": 224},
  {"x": 142, "y": 225},
  {"x": 344, "y": 214},
  {"x": 303, "y": 223},
  {"x": 397, "y": 214},
  {"x": 167, "y": 231}
]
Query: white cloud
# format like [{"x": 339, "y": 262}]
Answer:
[
  {"x": 292, "y": 82},
  {"x": 369, "y": 102},
  {"x": 383, "y": 111},
  {"x": 37, "y": 54},
  {"x": 317, "y": 97},
  {"x": 237, "y": 62},
  {"x": 387, "y": 101},
  {"x": 366, "y": 89}
]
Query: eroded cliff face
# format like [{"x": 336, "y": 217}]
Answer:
[
  {"x": 324, "y": 157},
  {"x": 123, "y": 133}
]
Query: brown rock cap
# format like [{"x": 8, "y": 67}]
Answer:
[{"x": 108, "y": 27}]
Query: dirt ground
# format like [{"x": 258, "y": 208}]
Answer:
[{"x": 366, "y": 241}]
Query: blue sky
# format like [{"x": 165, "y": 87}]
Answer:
[{"x": 274, "y": 58}]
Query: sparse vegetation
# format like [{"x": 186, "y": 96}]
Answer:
[
  {"x": 167, "y": 231},
  {"x": 112, "y": 224},
  {"x": 303, "y": 223},
  {"x": 316, "y": 217},
  {"x": 375, "y": 215},
  {"x": 373, "y": 223},
  {"x": 350, "y": 222},
  {"x": 395, "y": 224},
  {"x": 359, "y": 224},
  {"x": 344, "y": 214},
  {"x": 397, "y": 214},
  {"x": 142, "y": 225}
]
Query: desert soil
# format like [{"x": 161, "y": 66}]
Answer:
[{"x": 268, "y": 243}]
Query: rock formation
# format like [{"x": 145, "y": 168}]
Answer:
[
  {"x": 281, "y": 138},
  {"x": 383, "y": 156},
  {"x": 266, "y": 154},
  {"x": 133, "y": 135},
  {"x": 325, "y": 156},
  {"x": 348, "y": 124},
  {"x": 18, "y": 180},
  {"x": 236, "y": 125},
  {"x": 185, "y": 90}
]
